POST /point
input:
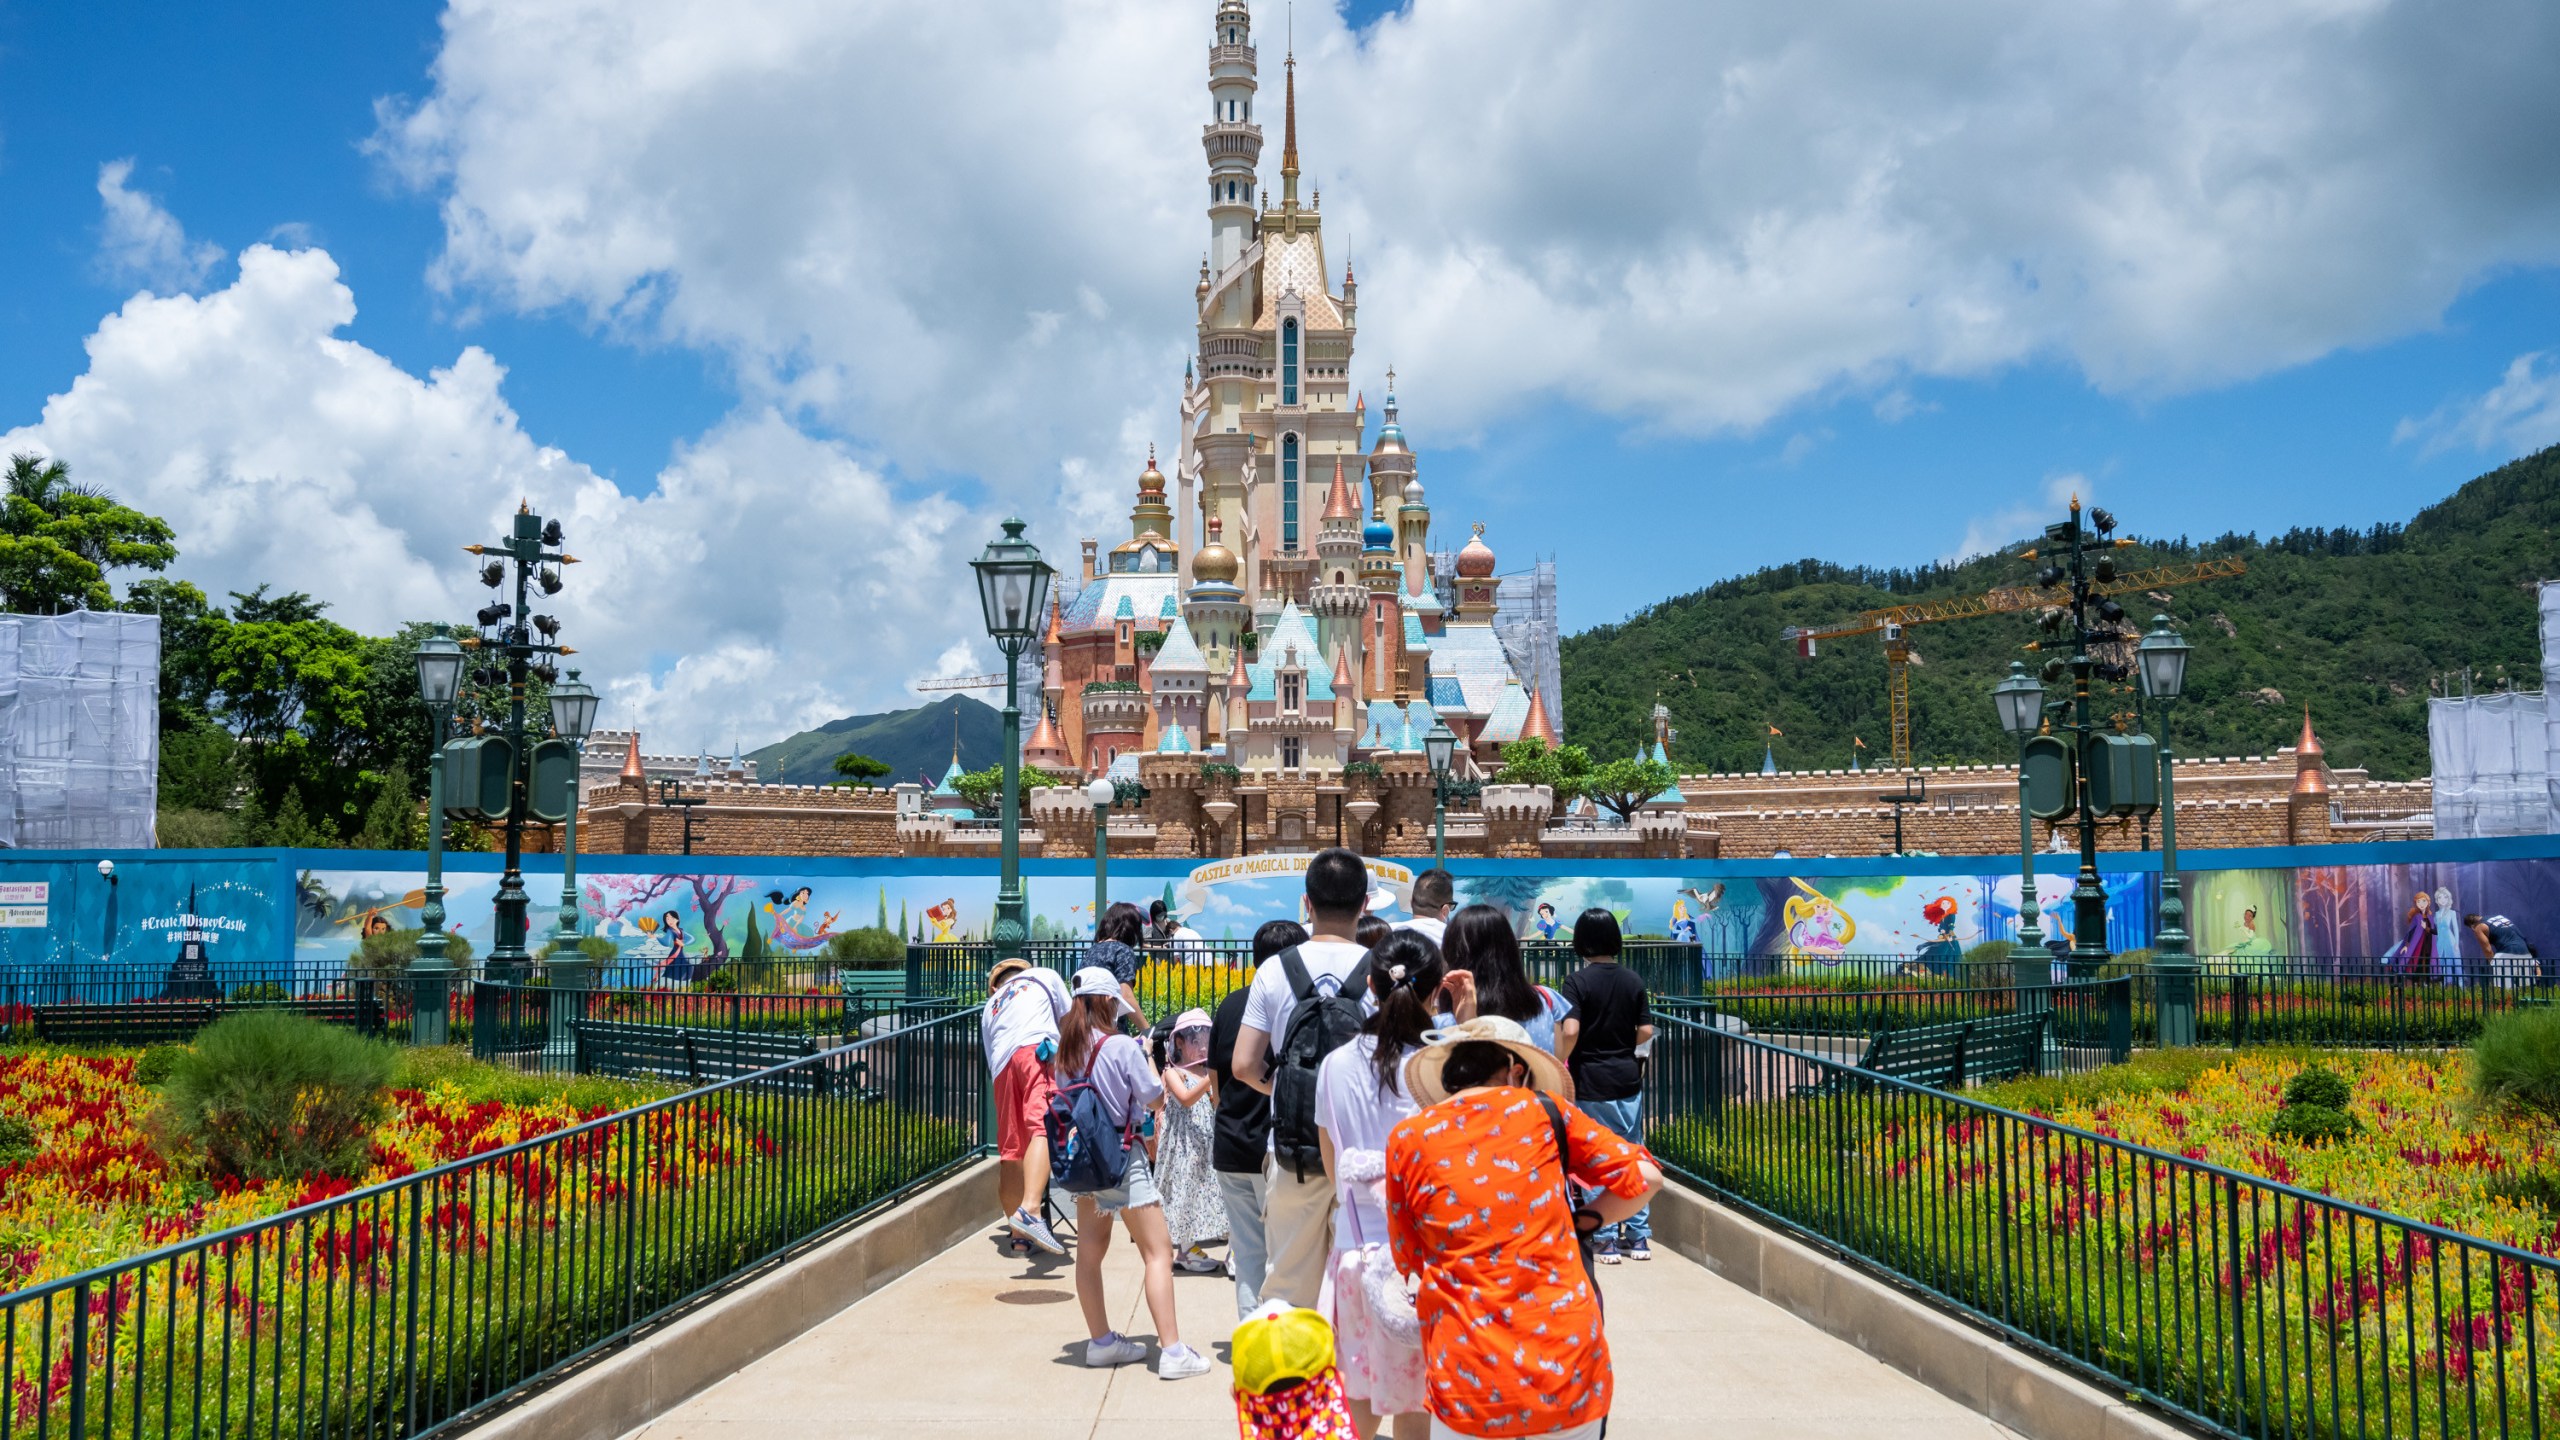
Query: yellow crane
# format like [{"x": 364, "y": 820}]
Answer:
[{"x": 1892, "y": 621}]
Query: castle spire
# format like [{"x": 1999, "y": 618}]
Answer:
[{"x": 1289, "y": 134}]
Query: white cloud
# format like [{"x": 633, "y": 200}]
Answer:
[
  {"x": 141, "y": 243},
  {"x": 2519, "y": 414},
  {"x": 1986, "y": 533},
  {"x": 967, "y": 232},
  {"x": 768, "y": 581}
]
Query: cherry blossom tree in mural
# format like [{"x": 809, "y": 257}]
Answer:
[{"x": 634, "y": 901}]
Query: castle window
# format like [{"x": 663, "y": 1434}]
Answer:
[
  {"x": 1289, "y": 489},
  {"x": 1289, "y": 752},
  {"x": 1288, "y": 362},
  {"x": 1289, "y": 694}
]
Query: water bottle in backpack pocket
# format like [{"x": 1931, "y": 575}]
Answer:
[{"x": 1088, "y": 1150}]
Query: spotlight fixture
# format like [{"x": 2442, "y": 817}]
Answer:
[
  {"x": 491, "y": 614},
  {"x": 493, "y": 574},
  {"x": 2106, "y": 569},
  {"x": 2110, "y": 611},
  {"x": 2048, "y": 577},
  {"x": 549, "y": 580},
  {"x": 549, "y": 626},
  {"x": 2105, "y": 520},
  {"x": 549, "y": 672},
  {"x": 2051, "y": 617},
  {"x": 2053, "y": 670},
  {"x": 551, "y": 534}
]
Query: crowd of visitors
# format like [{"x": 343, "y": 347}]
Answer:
[{"x": 1396, "y": 1133}]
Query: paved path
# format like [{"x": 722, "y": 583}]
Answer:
[{"x": 975, "y": 1343}]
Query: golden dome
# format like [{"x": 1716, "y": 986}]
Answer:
[
  {"x": 1151, "y": 480},
  {"x": 1476, "y": 561},
  {"x": 1215, "y": 564}
]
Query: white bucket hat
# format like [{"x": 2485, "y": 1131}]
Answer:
[
  {"x": 1095, "y": 980},
  {"x": 1422, "y": 1070}
]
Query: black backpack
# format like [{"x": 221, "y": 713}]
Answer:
[{"x": 1319, "y": 1024}]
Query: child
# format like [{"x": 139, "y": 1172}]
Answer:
[
  {"x": 1193, "y": 1211},
  {"x": 1287, "y": 1387}
]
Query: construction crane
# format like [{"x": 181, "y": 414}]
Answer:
[
  {"x": 1892, "y": 621},
  {"x": 964, "y": 682}
]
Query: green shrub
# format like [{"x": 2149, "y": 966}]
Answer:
[
  {"x": 2535, "y": 1189},
  {"x": 385, "y": 952},
  {"x": 17, "y": 1140},
  {"x": 723, "y": 981},
  {"x": 868, "y": 947},
  {"x": 2314, "y": 1125},
  {"x": 591, "y": 947},
  {"x": 2515, "y": 1067},
  {"x": 2318, "y": 1085},
  {"x": 153, "y": 1065},
  {"x": 268, "y": 1095},
  {"x": 1990, "y": 952},
  {"x": 265, "y": 992},
  {"x": 180, "y": 828}
]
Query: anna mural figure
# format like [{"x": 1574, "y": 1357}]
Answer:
[{"x": 2417, "y": 948}]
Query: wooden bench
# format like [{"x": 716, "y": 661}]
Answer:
[
  {"x": 172, "y": 1022},
  {"x": 1948, "y": 1056},
  {"x": 704, "y": 1057}
]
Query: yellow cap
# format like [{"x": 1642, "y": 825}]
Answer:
[{"x": 1276, "y": 1348}]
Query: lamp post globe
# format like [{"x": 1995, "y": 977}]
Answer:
[
  {"x": 2162, "y": 659},
  {"x": 1102, "y": 792},
  {"x": 1438, "y": 748},
  {"x": 2019, "y": 699},
  {"x": 439, "y": 673},
  {"x": 1013, "y": 588}
]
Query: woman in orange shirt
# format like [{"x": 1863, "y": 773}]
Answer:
[{"x": 1477, "y": 1206}]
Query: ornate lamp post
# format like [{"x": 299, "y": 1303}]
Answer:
[
  {"x": 2020, "y": 701},
  {"x": 1437, "y": 748},
  {"x": 1101, "y": 792},
  {"x": 1013, "y": 590},
  {"x": 2162, "y": 657},
  {"x": 533, "y": 550},
  {"x": 573, "y": 715},
  {"x": 439, "y": 680},
  {"x": 2077, "y": 564}
]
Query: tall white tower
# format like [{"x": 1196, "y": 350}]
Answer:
[{"x": 1232, "y": 140}]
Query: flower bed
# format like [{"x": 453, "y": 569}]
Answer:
[{"x": 95, "y": 1191}]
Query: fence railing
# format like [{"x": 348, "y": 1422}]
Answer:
[
  {"x": 538, "y": 1028},
  {"x": 2247, "y": 1307},
  {"x": 411, "y": 1307},
  {"x": 2084, "y": 1026}
]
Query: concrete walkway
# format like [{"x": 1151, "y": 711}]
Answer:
[{"x": 977, "y": 1343}]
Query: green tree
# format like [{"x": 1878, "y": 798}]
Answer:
[
  {"x": 1565, "y": 769},
  {"x": 858, "y": 769},
  {"x": 1622, "y": 787},
  {"x": 984, "y": 789},
  {"x": 59, "y": 538}
]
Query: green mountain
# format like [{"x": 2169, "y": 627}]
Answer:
[
  {"x": 2358, "y": 624},
  {"x": 916, "y": 743}
]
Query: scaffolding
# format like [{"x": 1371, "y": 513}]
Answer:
[
  {"x": 2492, "y": 754},
  {"x": 1524, "y": 620},
  {"x": 80, "y": 713}
]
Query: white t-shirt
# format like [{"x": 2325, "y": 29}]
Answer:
[
  {"x": 1270, "y": 1002},
  {"x": 1188, "y": 945},
  {"x": 1350, "y": 1109},
  {"x": 1025, "y": 1010},
  {"x": 1428, "y": 927}
]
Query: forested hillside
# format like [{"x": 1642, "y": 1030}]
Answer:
[{"x": 2356, "y": 623}]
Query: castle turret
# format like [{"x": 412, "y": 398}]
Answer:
[
  {"x": 1337, "y": 598},
  {"x": 1475, "y": 581},
  {"x": 1231, "y": 139}
]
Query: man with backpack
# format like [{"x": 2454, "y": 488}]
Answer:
[
  {"x": 1019, "y": 1028},
  {"x": 1304, "y": 1003}
]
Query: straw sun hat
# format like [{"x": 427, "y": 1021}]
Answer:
[{"x": 1422, "y": 1071}]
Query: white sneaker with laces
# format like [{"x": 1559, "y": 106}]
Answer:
[
  {"x": 1181, "y": 1362},
  {"x": 1112, "y": 1350}
]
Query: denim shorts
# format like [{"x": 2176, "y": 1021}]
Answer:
[{"x": 1136, "y": 1190}]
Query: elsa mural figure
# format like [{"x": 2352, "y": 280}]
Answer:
[{"x": 2449, "y": 957}]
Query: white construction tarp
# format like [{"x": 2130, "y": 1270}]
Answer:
[
  {"x": 2550, "y": 689},
  {"x": 2491, "y": 756},
  {"x": 80, "y": 714}
]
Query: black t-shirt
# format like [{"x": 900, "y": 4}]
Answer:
[
  {"x": 1243, "y": 1134},
  {"x": 1610, "y": 1002}
]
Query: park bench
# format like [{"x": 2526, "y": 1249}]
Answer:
[
  {"x": 1948, "y": 1056},
  {"x": 171, "y": 1022},
  {"x": 703, "y": 1057}
]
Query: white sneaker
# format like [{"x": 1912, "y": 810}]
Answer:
[
  {"x": 1036, "y": 1230},
  {"x": 1181, "y": 1362},
  {"x": 1113, "y": 1350}
]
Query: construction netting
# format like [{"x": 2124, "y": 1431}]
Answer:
[
  {"x": 1524, "y": 620},
  {"x": 80, "y": 713}
]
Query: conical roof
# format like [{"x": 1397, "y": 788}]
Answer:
[
  {"x": 1338, "y": 504},
  {"x": 632, "y": 771},
  {"x": 1180, "y": 654},
  {"x": 1537, "y": 726}
]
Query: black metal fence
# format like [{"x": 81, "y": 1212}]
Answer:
[
  {"x": 554, "y": 1029},
  {"x": 2078, "y": 1027},
  {"x": 410, "y": 1308},
  {"x": 2244, "y": 1306}
]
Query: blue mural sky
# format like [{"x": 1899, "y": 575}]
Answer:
[{"x": 1752, "y": 282}]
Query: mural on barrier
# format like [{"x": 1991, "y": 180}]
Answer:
[{"x": 686, "y": 925}]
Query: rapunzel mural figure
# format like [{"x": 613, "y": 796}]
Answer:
[
  {"x": 2417, "y": 947},
  {"x": 1816, "y": 927}
]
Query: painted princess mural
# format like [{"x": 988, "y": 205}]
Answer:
[
  {"x": 787, "y": 921},
  {"x": 1816, "y": 927},
  {"x": 1943, "y": 953}
]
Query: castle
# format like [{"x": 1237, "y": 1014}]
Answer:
[{"x": 1274, "y": 610}]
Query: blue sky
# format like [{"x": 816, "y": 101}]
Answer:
[{"x": 330, "y": 128}]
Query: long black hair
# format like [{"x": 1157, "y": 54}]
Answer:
[
  {"x": 1122, "y": 922},
  {"x": 1479, "y": 941},
  {"x": 1405, "y": 971}
]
